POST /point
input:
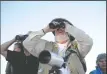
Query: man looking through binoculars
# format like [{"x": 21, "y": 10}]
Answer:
[
  {"x": 67, "y": 37},
  {"x": 22, "y": 62}
]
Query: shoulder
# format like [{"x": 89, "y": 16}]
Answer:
[
  {"x": 12, "y": 55},
  {"x": 75, "y": 44},
  {"x": 9, "y": 52},
  {"x": 93, "y": 72}
]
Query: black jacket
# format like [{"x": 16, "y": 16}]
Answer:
[{"x": 9, "y": 69}]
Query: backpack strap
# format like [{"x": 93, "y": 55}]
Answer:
[{"x": 82, "y": 60}]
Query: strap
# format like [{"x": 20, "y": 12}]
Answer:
[
  {"x": 81, "y": 59},
  {"x": 78, "y": 54},
  {"x": 69, "y": 52},
  {"x": 67, "y": 56}
]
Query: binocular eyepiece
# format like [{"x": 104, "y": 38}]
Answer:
[
  {"x": 21, "y": 37},
  {"x": 54, "y": 25}
]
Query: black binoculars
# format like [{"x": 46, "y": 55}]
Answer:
[
  {"x": 54, "y": 25},
  {"x": 21, "y": 37}
]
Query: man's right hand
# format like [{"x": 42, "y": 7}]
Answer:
[{"x": 48, "y": 29}]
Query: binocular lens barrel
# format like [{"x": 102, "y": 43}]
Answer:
[
  {"x": 58, "y": 25},
  {"x": 50, "y": 58}
]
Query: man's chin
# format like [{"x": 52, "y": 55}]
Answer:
[
  {"x": 104, "y": 67},
  {"x": 60, "y": 33}
]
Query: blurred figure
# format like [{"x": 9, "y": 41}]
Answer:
[
  {"x": 9, "y": 68},
  {"x": 20, "y": 59},
  {"x": 101, "y": 64}
]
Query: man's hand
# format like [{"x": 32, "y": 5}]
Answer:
[{"x": 48, "y": 29}]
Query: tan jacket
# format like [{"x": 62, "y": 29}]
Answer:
[{"x": 35, "y": 44}]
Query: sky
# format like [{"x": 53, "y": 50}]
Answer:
[{"x": 19, "y": 17}]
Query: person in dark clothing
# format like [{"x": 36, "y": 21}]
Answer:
[
  {"x": 22, "y": 61},
  {"x": 9, "y": 68}
]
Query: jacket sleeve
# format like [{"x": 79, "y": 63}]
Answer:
[
  {"x": 35, "y": 44},
  {"x": 84, "y": 41}
]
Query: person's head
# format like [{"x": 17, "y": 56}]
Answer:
[
  {"x": 60, "y": 34},
  {"x": 101, "y": 60},
  {"x": 18, "y": 47}
]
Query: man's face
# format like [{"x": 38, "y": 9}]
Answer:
[
  {"x": 16, "y": 48},
  {"x": 102, "y": 63},
  {"x": 60, "y": 31},
  {"x": 61, "y": 35}
]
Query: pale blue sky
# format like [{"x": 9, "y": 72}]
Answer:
[{"x": 19, "y": 17}]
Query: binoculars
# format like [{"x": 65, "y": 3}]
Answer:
[
  {"x": 54, "y": 25},
  {"x": 21, "y": 37}
]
